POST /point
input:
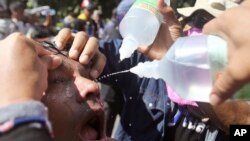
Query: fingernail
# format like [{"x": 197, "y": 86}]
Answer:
[
  {"x": 94, "y": 74},
  {"x": 84, "y": 59},
  {"x": 73, "y": 54},
  {"x": 215, "y": 99},
  {"x": 57, "y": 61},
  {"x": 59, "y": 45}
]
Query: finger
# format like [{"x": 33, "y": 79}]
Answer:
[
  {"x": 98, "y": 66},
  {"x": 164, "y": 8},
  {"x": 161, "y": 4},
  {"x": 214, "y": 27},
  {"x": 63, "y": 37},
  {"x": 224, "y": 87},
  {"x": 80, "y": 40},
  {"x": 89, "y": 50},
  {"x": 168, "y": 13},
  {"x": 51, "y": 61}
]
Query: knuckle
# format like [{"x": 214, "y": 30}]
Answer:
[
  {"x": 82, "y": 34},
  {"x": 65, "y": 30}
]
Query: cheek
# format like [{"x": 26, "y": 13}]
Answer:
[
  {"x": 61, "y": 118},
  {"x": 57, "y": 99}
]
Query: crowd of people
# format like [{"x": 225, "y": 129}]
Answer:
[{"x": 49, "y": 91}]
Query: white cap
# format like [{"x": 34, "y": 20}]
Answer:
[
  {"x": 214, "y": 7},
  {"x": 129, "y": 45}
]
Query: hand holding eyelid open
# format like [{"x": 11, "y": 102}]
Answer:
[
  {"x": 24, "y": 69},
  {"x": 84, "y": 49}
]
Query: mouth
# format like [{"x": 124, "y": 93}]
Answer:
[{"x": 94, "y": 129}]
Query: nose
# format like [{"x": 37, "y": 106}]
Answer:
[{"x": 86, "y": 87}]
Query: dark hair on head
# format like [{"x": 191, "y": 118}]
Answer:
[
  {"x": 198, "y": 18},
  {"x": 16, "y": 5},
  {"x": 51, "y": 46},
  {"x": 4, "y": 13},
  {"x": 2, "y": 10}
]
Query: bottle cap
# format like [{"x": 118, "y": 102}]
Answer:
[
  {"x": 217, "y": 53},
  {"x": 129, "y": 45},
  {"x": 167, "y": 2}
]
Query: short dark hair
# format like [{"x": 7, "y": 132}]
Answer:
[
  {"x": 14, "y": 6},
  {"x": 4, "y": 13}
]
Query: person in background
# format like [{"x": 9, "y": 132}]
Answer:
[
  {"x": 97, "y": 17},
  {"x": 69, "y": 20},
  {"x": 111, "y": 31},
  {"x": 17, "y": 16},
  {"x": 84, "y": 22},
  {"x": 6, "y": 25},
  {"x": 40, "y": 20}
]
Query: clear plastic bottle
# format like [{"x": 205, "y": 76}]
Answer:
[
  {"x": 139, "y": 26},
  {"x": 189, "y": 66}
]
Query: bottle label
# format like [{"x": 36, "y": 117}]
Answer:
[{"x": 150, "y": 5}]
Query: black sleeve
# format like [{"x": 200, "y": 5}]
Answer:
[{"x": 27, "y": 132}]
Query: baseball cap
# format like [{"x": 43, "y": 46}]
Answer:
[{"x": 214, "y": 7}]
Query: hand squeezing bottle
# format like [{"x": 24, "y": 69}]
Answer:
[
  {"x": 139, "y": 26},
  {"x": 189, "y": 66}
]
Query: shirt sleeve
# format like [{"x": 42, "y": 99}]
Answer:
[{"x": 25, "y": 121}]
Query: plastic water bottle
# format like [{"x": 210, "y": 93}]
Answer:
[
  {"x": 189, "y": 66},
  {"x": 139, "y": 26}
]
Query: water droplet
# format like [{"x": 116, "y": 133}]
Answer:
[
  {"x": 68, "y": 92},
  {"x": 150, "y": 105},
  {"x": 111, "y": 74}
]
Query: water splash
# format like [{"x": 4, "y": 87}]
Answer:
[
  {"x": 69, "y": 92},
  {"x": 111, "y": 74}
]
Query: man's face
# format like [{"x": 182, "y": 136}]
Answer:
[
  {"x": 18, "y": 14},
  {"x": 88, "y": 12},
  {"x": 74, "y": 118}
]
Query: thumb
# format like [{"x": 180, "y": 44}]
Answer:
[
  {"x": 224, "y": 87},
  {"x": 51, "y": 61},
  {"x": 161, "y": 4}
]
